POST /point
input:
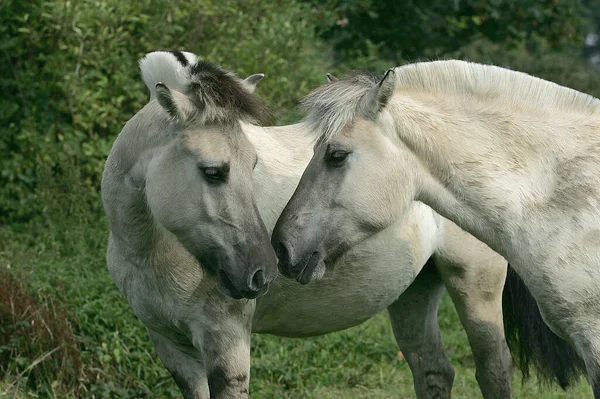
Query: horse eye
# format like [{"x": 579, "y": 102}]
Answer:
[
  {"x": 215, "y": 175},
  {"x": 337, "y": 158}
]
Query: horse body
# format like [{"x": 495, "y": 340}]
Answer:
[
  {"x": 510, "y": 158},
  {"x": 203, "y": 336}
]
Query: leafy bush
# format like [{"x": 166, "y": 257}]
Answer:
[{"x": 430, "y": 28}]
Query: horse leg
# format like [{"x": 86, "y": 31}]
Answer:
[
  {"x": 474, "y": 276},
  {"x": 215, "y": 362},
  {"x": 185, "y": 364},
  {"x": 227, "y": 365},
  {"x": 414, "y": 321},
  {"x": 225, "y": 343}
]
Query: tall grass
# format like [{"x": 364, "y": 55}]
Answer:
[
  {"x": 39, "y": 347},
  {"x": 58, "y": 260}
]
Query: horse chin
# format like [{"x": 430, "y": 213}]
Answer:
[
  {"x": 314, "y": 269},
  {"x": 336, "y": 254}
]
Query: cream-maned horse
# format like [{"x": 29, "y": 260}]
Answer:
[
  {"x": 179, "y": 190},
  {"x": 513, "y": 159}
]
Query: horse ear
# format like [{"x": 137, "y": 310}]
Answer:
[
  {"x": 251, "y": 81},
  {"x": 380, "y": 94},
  {"x": 177, "y": 104},
  {"x": 331, "y": 78}
]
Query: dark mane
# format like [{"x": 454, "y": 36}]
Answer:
[{"x": 221, "y": 96}]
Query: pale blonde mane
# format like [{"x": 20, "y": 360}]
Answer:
[
  {"x": 492, "y": 82},
  {"x": 332, "y": 106}
]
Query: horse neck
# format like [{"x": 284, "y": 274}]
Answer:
[
  {"x": 130, "y": 218},
  {"x": 124, "y": 181},
  {"x": 138, "y": 237},
  {"x": 283, "y": 152},
  {"x": 290, "y": 142},
  {"x": 477, "y": 163}
]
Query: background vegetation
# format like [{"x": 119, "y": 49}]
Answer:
[{"x": 70, "y": 81}]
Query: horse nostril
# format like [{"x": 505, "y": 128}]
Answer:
[
  {"x": 258, "y": 280},
  {"x": 282, "y": 254}
]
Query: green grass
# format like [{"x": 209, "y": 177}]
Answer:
[
  {"x": 362, "y": 363},
  {"x": 62, "y": 255}
]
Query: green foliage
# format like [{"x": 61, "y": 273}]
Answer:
[
  {"x": 430, "y": 28},
  {"x": 71, "y": 72}
]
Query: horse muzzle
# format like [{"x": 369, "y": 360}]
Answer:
[
  {"x": 304, "y": 268},
  {"x": 247, "y": 278}
]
